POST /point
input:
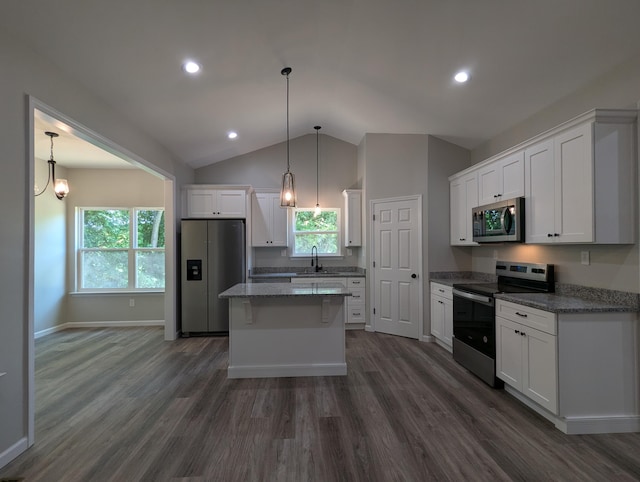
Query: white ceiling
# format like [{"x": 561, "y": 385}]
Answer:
[{"x": 358, "y": 65}]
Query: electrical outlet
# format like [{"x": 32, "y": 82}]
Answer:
[
  {"x": 132, "y": 302},
  {"x": 584, "y": 258}
]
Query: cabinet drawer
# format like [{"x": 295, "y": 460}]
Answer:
[
  {"x": 356, "y": 282},
  {"x": 442, "y": 290},
  {"x": 357, "y": 295},
  {"x": 531, "y": 317},
  {"x": 355, "y": 314}
]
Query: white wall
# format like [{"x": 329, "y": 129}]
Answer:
[
  {"x": 25, "y": 73},
  {"x": 50, "y": 251},
  {"x": 111, "y": 188},
  {"x": 263, "y": 169},
  {"x": 613, "y": 267}
]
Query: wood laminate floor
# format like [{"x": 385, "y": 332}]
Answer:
[{"x": 123, "y": 405}]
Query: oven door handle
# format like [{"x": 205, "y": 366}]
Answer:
[{"x": 470, "y": 296}]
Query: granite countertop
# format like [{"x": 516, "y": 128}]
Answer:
[
  {"x": 297, "y": 272},
  {"x": 558, "y": 303},
  {"x": 457, "y": 281},
  {"x": 271, "y": 290}
]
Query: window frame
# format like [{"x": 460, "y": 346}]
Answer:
[
  {"x": 293, "y": 232},
  {"x": 132, "y": 250}
]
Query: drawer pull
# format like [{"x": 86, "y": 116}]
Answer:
[
  {"x": 524, "y": 315},
  {"x": 356, "y": 314},
  {"x": 517, "y": 331},
  {"x": 441, "y": 291},
  {"x": 441, "y": 302}
]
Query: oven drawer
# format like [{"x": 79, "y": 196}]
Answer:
[
  {"x": 531, "y": 317},
  {"x": 441, "y": 290}
]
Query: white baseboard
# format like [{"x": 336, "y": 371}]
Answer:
[
  {"x": 428, "y": 338},
  {"x": 48, "y": 331},
  {"x": 13, "y": 451},
  {"x": 272, "y": 371},
  {"x": 112, "y": 324},
  {"x": 581, "y": 425},
  {"x": 97, "y": 324}
]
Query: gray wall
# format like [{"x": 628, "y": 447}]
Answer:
[
  {"x": 50, "y": 251},
  {"x": 444, "y": 159},
  {"x": 95, "y": 188},
  {"x": 29, "y": 74},
  {"x": 613, "y": 267},
  {"x": 263, "y": 169}
]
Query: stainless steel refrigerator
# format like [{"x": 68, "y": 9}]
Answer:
[{"x": 213, "y": 260}]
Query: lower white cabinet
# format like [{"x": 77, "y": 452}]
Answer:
[
  {"x": 355, "y": 304},
  {"x": 526, "y": 359},
  {"x": 578, "y": 370},
  {"x": 442, "y": 313}
]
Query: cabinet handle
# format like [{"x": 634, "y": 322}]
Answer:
[
  {"x": 441, "y": 302},
  {"x": 516, "y": 331},
  {"x": 461, "y": 239},
  {"x": 356, "y": 314},
  {"x": 524, "y": 315},
  {"x": 441, "y": 291},
  {"x": 522, "y": 333},
  {"x": 556, "y": 234}
]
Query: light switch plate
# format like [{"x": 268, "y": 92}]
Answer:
[{"x": 584, "y": 258}]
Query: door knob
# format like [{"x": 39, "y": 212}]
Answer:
[{"x": 414, "y": 276}]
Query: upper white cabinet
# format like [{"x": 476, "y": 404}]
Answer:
[
  {"x": 269, "y": 220},
  {"x": 352, "y": 217},
  {"x": 579, "y": 185},
  {"x": 464, "y": 196},
  {"x": 501, "y": 179},
  {"x": 208, "y": 201}
]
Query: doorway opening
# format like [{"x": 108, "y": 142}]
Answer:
[{"x": 40, "y": 115}]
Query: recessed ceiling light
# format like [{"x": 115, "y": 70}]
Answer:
[
  {"x": 461, "y": 77},
  {"x": 191, "y": 67},
  {"x": 232, "y": 135}
]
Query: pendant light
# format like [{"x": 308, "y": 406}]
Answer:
[
  {"x": 60, "y": 186},
  {"x": 288, "y": 191},
  {"x": 317, "y": 210}
]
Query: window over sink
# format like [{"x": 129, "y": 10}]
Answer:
[{"x": 321, "y": 230}]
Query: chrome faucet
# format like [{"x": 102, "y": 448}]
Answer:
[{"x": 317, "y": 263}]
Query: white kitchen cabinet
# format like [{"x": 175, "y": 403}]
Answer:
[
  {"x": 526, "y": 359},
  {"x": 209, "y": 201},
  {"x": 355, "y": 305},
  {"x": 502, "y": 179},
  {"x": 578, "y": 370},
  {"x": 442, "y": 314},
  {"x": 578, "y": 185},
  {"x": 352, "y": 217},
  {"x": 463, "y": 197},
  {"x": 269, "y": 221}
]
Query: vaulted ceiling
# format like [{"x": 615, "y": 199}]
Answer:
[{"x": 358, "y": 65}]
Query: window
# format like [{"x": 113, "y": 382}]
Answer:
[
  {"x": 322, "y": 231},
  {"x": 120, "y": 249}
]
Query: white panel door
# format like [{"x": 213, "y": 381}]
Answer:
[
  {"x": 539, "y": 378},
  {"x": 509, "y": 352},
  {"x": 397, "y": 266}
]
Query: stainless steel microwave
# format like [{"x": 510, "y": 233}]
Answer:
[{"x": 499, "y": 222}]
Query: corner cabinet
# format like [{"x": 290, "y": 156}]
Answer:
[
  {"x": 442, "y": 314},
  {"x": 464, "y": 196},
  {"x": 269, "y": 221},
  {"x": 352, "y": 217},
  {"x": 580, "y": 183},
  {"x": 211, "y": 201}
]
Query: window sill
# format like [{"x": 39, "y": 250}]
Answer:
[{"x": 112, "y": 293}]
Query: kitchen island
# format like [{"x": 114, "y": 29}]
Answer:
[{"x": 286, "y": 330}]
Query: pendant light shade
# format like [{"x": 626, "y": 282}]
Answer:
[
  {"x": 317, "y": 210},
  {"x": 288, "y": 191},
  {"x": 60, "y": 186}
]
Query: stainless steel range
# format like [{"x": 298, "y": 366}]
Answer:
[{"x": 474, "y": 329}]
